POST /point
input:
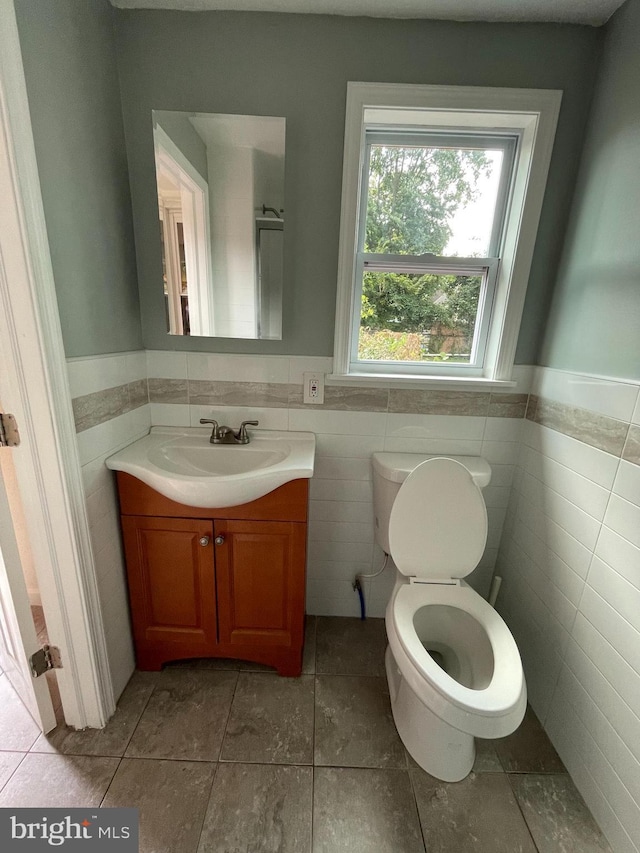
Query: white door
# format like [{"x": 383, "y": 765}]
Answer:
[{"x": 18, "y": 639}]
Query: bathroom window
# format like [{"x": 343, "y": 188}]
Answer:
[{"x": 442, "y": 189}]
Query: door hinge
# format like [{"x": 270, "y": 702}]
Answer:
[
  {"x": 46, "y": 658},
  {"x": 9, "y": 435}
]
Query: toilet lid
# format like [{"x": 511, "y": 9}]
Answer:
[{"x": 438, "y": 524}]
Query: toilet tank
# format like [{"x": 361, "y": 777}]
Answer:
[{"x": 390, "y": 470}]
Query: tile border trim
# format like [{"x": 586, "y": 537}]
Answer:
[
  {"x": 96, "y": 408},
  {"x": 619, "y": 438},
  {"x": 600, "y": 431}
]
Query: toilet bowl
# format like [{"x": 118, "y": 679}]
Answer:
[{"x": 453, "y": 667}]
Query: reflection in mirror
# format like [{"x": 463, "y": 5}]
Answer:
[{"x": 220, "y": 181}]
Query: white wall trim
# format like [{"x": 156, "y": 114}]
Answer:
[
  {"x": 48, "y": 468},
  {"x": 125, "y": 353}
]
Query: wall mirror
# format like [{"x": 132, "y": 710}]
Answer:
[{"x": 220, "y": 181}]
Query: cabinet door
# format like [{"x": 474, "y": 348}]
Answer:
[
  {"x": 260, "y": 569},
  {"x": 172, "y": 587}
]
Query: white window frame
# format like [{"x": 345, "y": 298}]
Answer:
[{"x": 532, "y": 114}]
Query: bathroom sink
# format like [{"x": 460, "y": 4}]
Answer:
[
  {"x": 184, "y": 466},
  {"x": 191, "y": 457}
]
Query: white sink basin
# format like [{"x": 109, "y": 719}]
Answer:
[{"x": 184, "y": 466}]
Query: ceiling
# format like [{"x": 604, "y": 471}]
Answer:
[{"x": 594, "y": 12}]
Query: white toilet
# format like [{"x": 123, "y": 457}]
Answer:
[{"x": 453, "y": 667}]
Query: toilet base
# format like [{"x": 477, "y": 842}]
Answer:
[{"x": 440, "y": 749}]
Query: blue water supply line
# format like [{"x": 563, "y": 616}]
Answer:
[{"x": 357, "y": 585}]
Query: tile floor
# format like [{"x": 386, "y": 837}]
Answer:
[{"x": 227, "y": 757}]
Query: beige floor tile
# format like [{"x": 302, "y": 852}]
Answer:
[
  {"x": 354, "y": 725},
  {"x": 309, "y": 652},
  {"x": 8, "y": 763},
  {"x": 113, "y": 739},
  {"x": 185, "y": 716},
  {"x": 259, "y": 807},
  {"x": 172, "y": 797},
  {"x": 58, "y": 781},
  {"x": 271, "y": 720},
  {"x": 173, "y": 726},
  {"x": 361, "y": 811},
  {"x": 477, "y": 815},
  {"x": 557, "y": 815},
  {"x": 18, "y": 730},
  {"x": 528, "y": 749},
  {"x": 350, "y": 646},
  {"x": 487, "y": 760}
]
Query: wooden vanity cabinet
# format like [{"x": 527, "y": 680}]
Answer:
[{"x": 216, "y": 582}]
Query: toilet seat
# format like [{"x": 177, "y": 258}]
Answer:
[
  {"x": 468, "y": 709},
  {"x": 438, "y": 524}
]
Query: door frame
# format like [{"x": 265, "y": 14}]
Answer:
[{"x": 46, "y": 462}]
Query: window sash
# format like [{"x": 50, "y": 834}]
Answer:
[
  {"x": 487, "y": 267},
  {"x": 423, "y": 264},
  {"x": 507, "y": 143}
]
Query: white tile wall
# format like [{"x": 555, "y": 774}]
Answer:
[
  {"x": 298, "y": 365},
  {"x": 166, "y": 365},
  {"x": 107, "y": 437},
  {"x": 341, "y": 511},
  {"x": 605, "y": 396},
  {"x": 594, "y": 464},
  {"x": 168, "y": 414},
  {"x": 234, "y": 415},
  {"x": 98, "y": 373},
  {"x": 569, "y": 554},
  {"x": 341, "y": 541},
  {"x": 570, "y": 560},
  {"x": 238, "y": 368}
]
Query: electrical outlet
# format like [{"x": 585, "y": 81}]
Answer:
[{"x": 313, "y": 385}]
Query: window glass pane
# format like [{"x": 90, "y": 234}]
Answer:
[
  {"x": 423, "y": 317},
  {"x": 424, "y": 198}
]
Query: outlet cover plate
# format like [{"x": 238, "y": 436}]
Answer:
[{"x": 313, "y": 388}]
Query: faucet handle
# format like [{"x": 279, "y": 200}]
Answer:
[
  {"x": 242, "y": 432},
  {"x": 214, "y": 432}
]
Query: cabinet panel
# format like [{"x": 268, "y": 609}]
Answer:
[
  {"x": 260, "y": 582},
  {"x": 172, "y": 586}
]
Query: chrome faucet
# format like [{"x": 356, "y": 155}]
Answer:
[{"x": 227, "y": 435}]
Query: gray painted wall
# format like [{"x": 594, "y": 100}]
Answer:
[
  {"x": 594, "y": 322},
  {"x": 298, "y": 66},
  {"x": 72, "y": 82}
]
